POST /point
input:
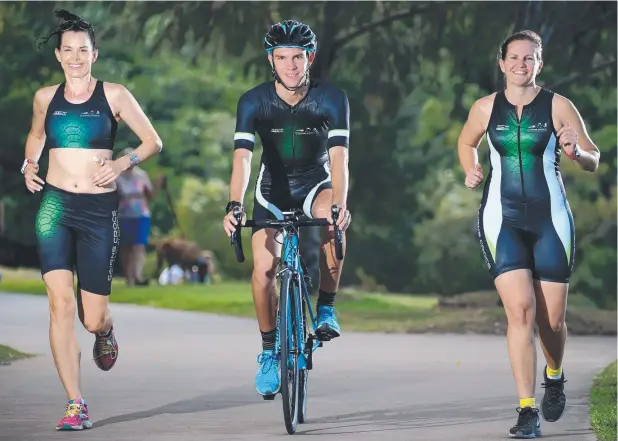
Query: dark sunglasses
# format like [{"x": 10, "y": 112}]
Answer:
[{"x": 72, "y": 24}]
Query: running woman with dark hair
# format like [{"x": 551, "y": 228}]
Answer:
[
  {"x": 525, "y": 224},
  {"x": 77, "y": 222}
]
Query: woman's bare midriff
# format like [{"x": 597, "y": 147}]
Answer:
[{"x": 72, "y": 169}]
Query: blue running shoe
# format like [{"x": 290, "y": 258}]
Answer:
[
  {"x": 328, "y": 327},
  {"x": 267, "y": 377}
]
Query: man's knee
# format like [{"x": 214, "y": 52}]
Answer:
[
  {"x": 265, "y": 270},
  {"x": 265, "y": 257}
]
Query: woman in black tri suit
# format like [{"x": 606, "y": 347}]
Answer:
[
  {"x": 77, "y": 222},
  {"x": 525, "y": 225}
]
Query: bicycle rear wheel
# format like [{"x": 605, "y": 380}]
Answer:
[{"x": 290, "y": 377}]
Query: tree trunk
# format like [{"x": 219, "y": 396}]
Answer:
[{"x": 327, "y": 34}]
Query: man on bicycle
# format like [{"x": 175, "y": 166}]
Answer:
[{"x": 304, "y": 128}]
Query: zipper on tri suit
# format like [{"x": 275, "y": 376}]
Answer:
[
  {"x": 294, "y": 148},
  {"x": 521, "y": 169}
]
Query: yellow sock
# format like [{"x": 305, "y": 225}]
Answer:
[
  {"x": 527, "y": 402},
  {"x": 554, "y": 374}
]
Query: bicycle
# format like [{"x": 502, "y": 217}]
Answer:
[{"x": 293, "y": 337}]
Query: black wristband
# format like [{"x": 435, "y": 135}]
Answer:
[{"x": 231, "y": 205}]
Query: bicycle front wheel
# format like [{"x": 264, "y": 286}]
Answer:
[
  {"x": 288, "y": 332},
  {"x": 304, "y": 374}
]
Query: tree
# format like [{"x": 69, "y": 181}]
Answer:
[{"x": 411, "y": 72}]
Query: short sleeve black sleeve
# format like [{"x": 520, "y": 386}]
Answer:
[
  {"x": 337, "y": 109},
  {"x": 244, "y": 135}
]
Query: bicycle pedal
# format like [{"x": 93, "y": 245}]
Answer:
[
  {"x": 322, "y": 337},
  {"x": 268, "y": 397}
]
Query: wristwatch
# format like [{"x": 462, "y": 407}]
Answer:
[
  {"x": 25, "y": 164},
  {"x": 576, "y": 153},
  {"x": 231, "y": 205}
]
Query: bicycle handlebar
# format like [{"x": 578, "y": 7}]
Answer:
[{"x": 295, "y": 221}]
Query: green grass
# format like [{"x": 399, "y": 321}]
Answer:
[
  {"x": 358, "y": 311},
  {"x": 8, "y": 354},
  {"x": 603, "y": 404}
]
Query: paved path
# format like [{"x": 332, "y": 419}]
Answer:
[{"x": 189, "y": 376}]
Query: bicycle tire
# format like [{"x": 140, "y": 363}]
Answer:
[
  {"x": 304, "y": 374},
  {"x": 302, "y": 395},
  {"x": 289, "y": 377}
]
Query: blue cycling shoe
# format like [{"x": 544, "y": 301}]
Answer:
[
  {"x": 267, "y": 377},
  {"x": 328, "y": 327}
]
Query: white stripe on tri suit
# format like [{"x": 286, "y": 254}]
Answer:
[
  {"x": 342, "y": 132},
  {"x": 260, "y": 197},
  {"x": 492, "y": 213},
  {"x": 245, "y": 136},
  {"x": 557, "y": 196},
  {"x": 309, "y": 199}
]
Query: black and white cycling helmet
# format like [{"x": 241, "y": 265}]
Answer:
[{"x": 290, "y": 33}]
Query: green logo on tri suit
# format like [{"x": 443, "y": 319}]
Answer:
[
  {"x": 518, "y": 141},
  {"x": 72, "y": 132},
  {"x": 288, "y": 142},
  {"x": 293, "y": 145},
  {"x": 48, "y": 216}
]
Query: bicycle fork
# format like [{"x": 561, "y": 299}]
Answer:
[{"x": 299, "y": 299}]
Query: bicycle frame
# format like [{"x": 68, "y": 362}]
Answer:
[{"x": 291, "y": 261}]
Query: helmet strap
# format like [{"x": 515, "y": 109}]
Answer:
[{"x": 302, "y": 84}]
